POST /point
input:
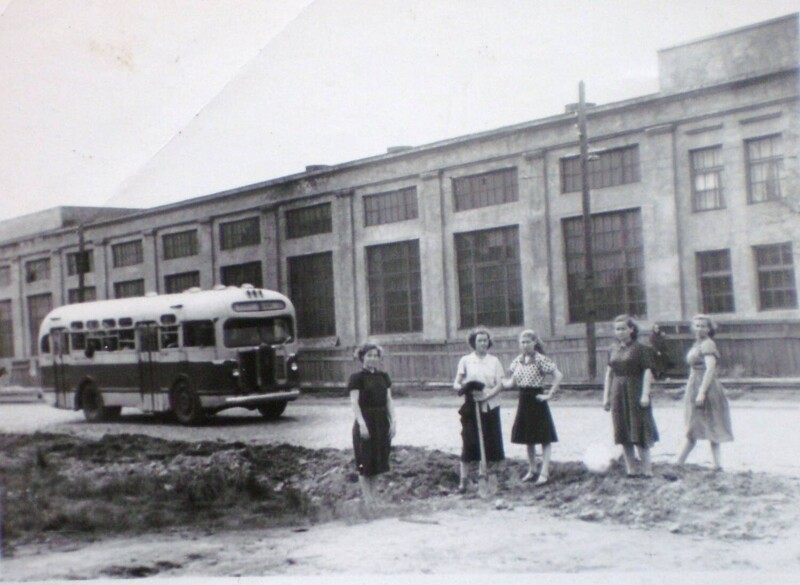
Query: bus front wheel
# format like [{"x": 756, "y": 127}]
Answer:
[
  {"x": 273, "y": 410},
  {"x": 186, "y": 404},
  {"x": 94, "y": 409}
]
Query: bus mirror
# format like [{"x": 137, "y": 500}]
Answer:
[{"x": 89, "y": 352}]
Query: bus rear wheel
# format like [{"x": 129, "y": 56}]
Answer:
[
  {"x": 94, "y": 409},
  {"x": 186, "y": 404},
  {"x": 272, "y": 410}
]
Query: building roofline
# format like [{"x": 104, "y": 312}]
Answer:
[
  {"x": 792, "y": 16},
  {"x": 539, "y": 123}
]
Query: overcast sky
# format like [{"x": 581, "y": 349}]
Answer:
[{"x": 145, "y": 102}]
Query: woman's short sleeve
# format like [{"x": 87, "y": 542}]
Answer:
[
  {"x": 709, "y": 347},
  {"x": 387, "y": 380},
  {"x": 545, "y": 364},
  {"x": 461, "y": 370},
  {"x": 512, "y": 367},
  {"x": 355, "y": 382}
]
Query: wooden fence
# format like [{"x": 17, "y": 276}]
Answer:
[{"x": 748, "y": 350}]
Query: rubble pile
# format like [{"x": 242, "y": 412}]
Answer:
[{"x": 67, "y": 485}]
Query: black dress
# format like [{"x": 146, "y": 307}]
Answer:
[
  {"x": 533, "y": 424},
  {"x": 372, "y": 455}
]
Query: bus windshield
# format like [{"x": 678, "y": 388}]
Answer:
[{"x": 250, "y": 332}]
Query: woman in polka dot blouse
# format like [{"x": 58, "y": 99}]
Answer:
[{"x": 534, "y": 424}]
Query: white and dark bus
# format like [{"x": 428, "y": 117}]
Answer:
[{"x": 192, "y": 354}]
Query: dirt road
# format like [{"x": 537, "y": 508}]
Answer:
[{"x": 745, "y": 520}]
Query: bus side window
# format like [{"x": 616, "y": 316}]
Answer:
[
  {"x": 198, "y": 334},
  {"x": 110, "y": 342},
  {"x": 127, "y": 339},
  {"x": 169, "y": 337},
  {"x": 78, "y": 341},
  {"x": 93, "y": 344}
]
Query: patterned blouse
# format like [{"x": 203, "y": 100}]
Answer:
[{"x": 531, "y": 371}]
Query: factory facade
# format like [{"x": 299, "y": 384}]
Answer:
[{"x": 695, "y": 202}]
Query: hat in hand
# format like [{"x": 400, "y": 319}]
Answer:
[{"x": 471, "y": 386}]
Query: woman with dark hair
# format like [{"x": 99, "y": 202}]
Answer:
[
  {"x": 485, "y": 370},
  {"x": 707, "y": 414},
  {"x": 374, "y": 427},
  {"x": 534, "y": 424},
  {"x": 626, "y": 393}
]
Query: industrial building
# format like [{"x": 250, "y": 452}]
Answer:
[{"x": 695, "y": 198}]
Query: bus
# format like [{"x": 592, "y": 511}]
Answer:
[{"x": 191, "y": 354}]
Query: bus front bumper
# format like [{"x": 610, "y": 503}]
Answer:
[{"x": 254, "y": 400}]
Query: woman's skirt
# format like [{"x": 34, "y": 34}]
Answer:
[
  {"x": 492, "y": 434},
  {"x": 372, "y": 455},
  {"x": 712, "y": 421},
  {"x": 533, "y": 424}
]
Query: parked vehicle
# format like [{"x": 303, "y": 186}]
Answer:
[{"x": 192, "y": 354}]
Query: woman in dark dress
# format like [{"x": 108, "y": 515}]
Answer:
[
  {"x": 374, "y": 426},
  {"x": 534, "y": 424},
  {"x": 626, "y": 393}
]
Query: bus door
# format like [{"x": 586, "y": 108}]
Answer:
[
  {"x": 59, "y": 339},
  {"x": 147, "y": 346}
]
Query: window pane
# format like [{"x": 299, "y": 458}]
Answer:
[
  {"x": 6, "y": 330},
  {"x": 239, "y": 274},
  {"x": 127, "y": 254},
  {"x": 776, "y": 276},
  {"x": 606, "y": 169},
  {"x": 308, "y": 221},
  {"x": 311, "y": 290},
  {"x": 618, "y": 261},
  {"x": 486, "y": 189},
  {"x": 236, "y": 234},
  {"x": 129, "y": 288},
  {"x": 180, "y": 245},
  {"x": 706, "y": 165},
  {"x": 395, "y": 298},
  {"x": 175, "y": 283},
  {"x": 490, "y": 289},
  {"x": 390, "y": 207},
  {"x": 716, "y": 281},
  {"x": 765, "y": 172}
]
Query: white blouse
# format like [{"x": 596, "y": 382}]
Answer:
[{"x": 486, "y": 369}]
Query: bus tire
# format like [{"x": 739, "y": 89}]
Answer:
[
  {"x": 186, "y": 404},
  {"x": 272, "y": 410},
  {"x": 94, "y": 409}
]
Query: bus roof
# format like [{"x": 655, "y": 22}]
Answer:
[{"x": 193, "y": 304}]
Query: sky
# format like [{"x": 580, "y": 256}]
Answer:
[{"x": 139, "y": 104}]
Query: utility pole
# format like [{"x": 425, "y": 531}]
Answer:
[
  {"x": 588, "y": 282},
  {"x": 80, "y": 262}
]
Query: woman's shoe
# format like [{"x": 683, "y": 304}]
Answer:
[
  {"x": 543, "y": 479},
  {"x": 528, "y": 476},
  {"x": 462, "y": 486}
]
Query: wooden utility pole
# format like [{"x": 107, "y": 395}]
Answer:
[
  {"x": 588, "y": 282},
  {"x": 80, "y": 262}
]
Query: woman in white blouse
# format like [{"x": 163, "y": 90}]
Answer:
[{"x": 481, "y": 367}]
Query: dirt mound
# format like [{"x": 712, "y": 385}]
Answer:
[{"x": 62, "y": 487}]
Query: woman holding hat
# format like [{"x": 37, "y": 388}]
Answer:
[
  {"x": 707, "y": 415},
  {"x": 484, "y": 371}
]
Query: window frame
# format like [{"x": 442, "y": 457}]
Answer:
[
  {"x": 473, "y": 258},
  {"x": 715, "y": 170},
  {"x": 707, "y": 276},
  {"x": 394, "y": 296}
]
